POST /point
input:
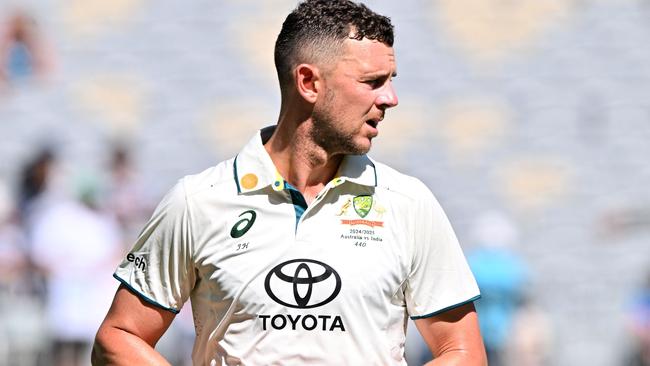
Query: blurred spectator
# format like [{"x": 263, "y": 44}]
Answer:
[
  {"x": 530, "y": 339},
  {"x": 510, "y": 324},
  {"x": 23, "y": 52},
  {"x": 126, "y": 198},
  {"x": 501, "y": 276},
  {"x": 639, "y": 327},
  {"x": 21, "y": 320},
  {"x": 36, "y": 191},
  {"x": 78, "y": 245},
  {"x": 624, "y": 220},
  {"x": 12, "y": 256},
  {"x": 70, "y": 246},
  {"x": 34, "y": 180},
  {"x": 74, "y": 244}
]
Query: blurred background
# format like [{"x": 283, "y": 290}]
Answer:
[{"x": 528, "y": 119}]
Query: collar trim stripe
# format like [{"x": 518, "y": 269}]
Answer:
[
  {"x": 374, "y": 170},
  {"x": 234, "y": 165}
]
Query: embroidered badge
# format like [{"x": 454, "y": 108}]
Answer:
[{"x": 362, "y": 205}]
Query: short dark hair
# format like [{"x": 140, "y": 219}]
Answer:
[{"x": 316, "y": 28}]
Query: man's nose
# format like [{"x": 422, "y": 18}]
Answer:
[{"x": 387, "y": 97}]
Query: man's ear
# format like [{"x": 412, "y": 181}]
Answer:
[{"x": 308, "y": 82}]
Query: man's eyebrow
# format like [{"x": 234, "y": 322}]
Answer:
[{"x": 380, "y": 74}]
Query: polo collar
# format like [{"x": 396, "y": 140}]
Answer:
[
  {"x": 358, "y": 169},
  {"x": 254, "y": 170}
]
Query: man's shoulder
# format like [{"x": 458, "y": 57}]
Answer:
[
  {"x": 215, "y": 177},
  {"x": 393, "y": 180}
]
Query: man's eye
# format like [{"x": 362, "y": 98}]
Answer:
[{"x": 375, "y": 83}]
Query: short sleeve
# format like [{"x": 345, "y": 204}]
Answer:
[
  {"x": 160, "y": 267},
  {"x": 440, "y": 278}
]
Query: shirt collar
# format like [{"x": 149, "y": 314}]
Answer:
[
  {"x": 254, "y": 169},
  {"x": 358, "y": 169}
]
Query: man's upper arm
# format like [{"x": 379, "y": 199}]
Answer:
[
  {"x": 454, "y": 337},
  {"x": 131, "y": 314},
  {"x": 130, "y": 331}
]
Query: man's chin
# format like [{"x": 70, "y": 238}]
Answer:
[
  {"x": 356, "y": 146},
  {"x": 362, "y": 148}
]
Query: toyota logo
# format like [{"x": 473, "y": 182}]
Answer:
[{"x": 302, "y": 283}]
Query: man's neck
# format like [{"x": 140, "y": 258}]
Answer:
[{"x": 300, "y": 161}]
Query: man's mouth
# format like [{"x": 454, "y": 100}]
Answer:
[{"x": 373, "y": 122}]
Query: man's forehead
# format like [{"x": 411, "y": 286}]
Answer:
[
  {"x": 365, "y": 46},
  {"x": 368, "y": 53}
]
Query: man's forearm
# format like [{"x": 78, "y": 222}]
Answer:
[{"x": 117, "y": 347}]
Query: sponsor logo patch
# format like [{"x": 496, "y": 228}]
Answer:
[
  {"x": 139, "y": 261},
  {"x": 302, "y": 284},
  {"x": 292, "y": 283}
]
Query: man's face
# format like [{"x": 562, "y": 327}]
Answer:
[{"x": 357, "y": 90}]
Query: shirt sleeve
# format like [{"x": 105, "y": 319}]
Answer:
[
  {"x": 160, "y": 268},
  {"x": 440, "y": 278}
]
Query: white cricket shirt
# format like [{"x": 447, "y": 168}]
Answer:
[{"x": 273, "y": 281}]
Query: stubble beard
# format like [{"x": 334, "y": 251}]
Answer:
[{"x": 328, "y": 136}]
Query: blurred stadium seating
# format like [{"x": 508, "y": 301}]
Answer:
[{"x": 538, "y": 109}]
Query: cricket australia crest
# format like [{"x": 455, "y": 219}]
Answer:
[
  {"x": 368, "y": 211},
  {"x": 362, "y": 205}
]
